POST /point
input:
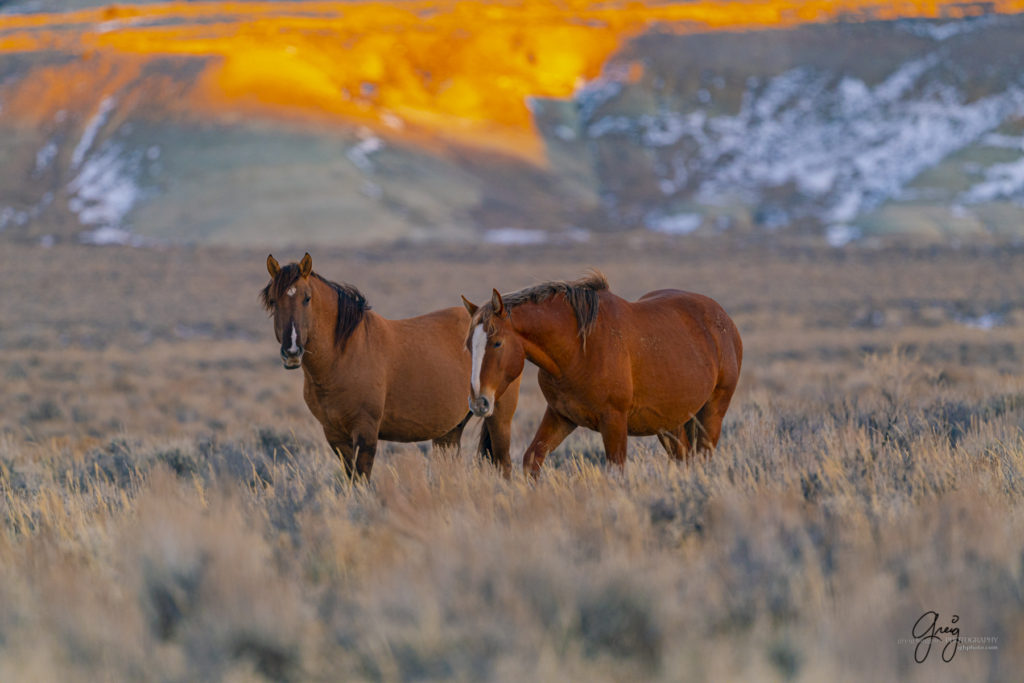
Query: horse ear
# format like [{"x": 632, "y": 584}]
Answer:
[
  {"x": 470, "y": 306},
  {"x": 496, "y": 303},
  {"x": 306, "y": 265},
  {"x": 273, "y": 267}
]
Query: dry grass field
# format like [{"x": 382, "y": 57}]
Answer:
[{"x": 169, "y": 510}]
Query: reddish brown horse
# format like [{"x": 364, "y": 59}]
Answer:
[
  {"x": 666, "y": 364},
  {"x": 370, "y": 378}
]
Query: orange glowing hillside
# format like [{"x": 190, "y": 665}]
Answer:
[{"x": 459, "y": 70}]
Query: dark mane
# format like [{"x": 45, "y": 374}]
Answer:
[
  {"x": 581, "y": 295},
  {"x": 352, "y": 305}
]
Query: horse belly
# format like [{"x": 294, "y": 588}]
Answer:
[
  {"x": 405, "y": 430},
  {"x": 670, "y": 388},
  {"x": 650, "y": 420},
  {"x": 425, "y": 401}
]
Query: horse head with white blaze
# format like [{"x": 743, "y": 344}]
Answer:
[
  {"x": 497, "y": 352},
  {"x": 288, "y": 298}
]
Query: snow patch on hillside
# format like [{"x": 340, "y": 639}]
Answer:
[
  {"x": 104, "y": 192},
  {"x": 592, "y": 95},
  {"x": 941, "y": 32},
  {"x": 45, "y": 157},
  {"x": 1002, "y": 181},
  {"x": 361, "y": 154},
  {"x": 840, "y": 235},
  {"x": 843, "y": 146},
  {"x": 108, "y": 236},
  {"x": 673, "y": 223},
  {"x": 515, "y": 236},
  {"x": 92, "y": 129}
]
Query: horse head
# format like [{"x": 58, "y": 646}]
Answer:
[
  {"x": 497, "y": 351},
  {"x": 287, "y": 297}
]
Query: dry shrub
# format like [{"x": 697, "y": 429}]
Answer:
[
  {"x": 190, "y": 524},
  {"x": 795, "y": 552}
]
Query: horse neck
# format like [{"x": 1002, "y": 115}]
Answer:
[
  {"x": 549, "y": 333},
  {"x": 321, "y": 349}
]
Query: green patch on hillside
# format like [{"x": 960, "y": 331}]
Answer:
[
  {"x": 939, "y": 221},
  {"x": 961, "y": 170},
  {"x": 245, "y": 186}
]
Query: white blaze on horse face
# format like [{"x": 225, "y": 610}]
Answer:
[
  {"x": 295, "y": 337},
  {"x": 291, "y": 291},
  {"x": 479, "y": 345}
]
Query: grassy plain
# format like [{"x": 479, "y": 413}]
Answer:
[{"x": 170, "y": 511}]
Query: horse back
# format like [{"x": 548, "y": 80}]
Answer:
[
  {"x": 445, "y": 328},
  {"x": 434, "y": 339},
  {"x": 696, "y": 313},
  {"x": 692, "y": 328}
]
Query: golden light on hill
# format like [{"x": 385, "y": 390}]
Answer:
[{"x": 459, "y": 70}]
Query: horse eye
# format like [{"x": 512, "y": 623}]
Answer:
[
  {"x": 305, "y": 302},
  {"x": 496, "y": 344}
]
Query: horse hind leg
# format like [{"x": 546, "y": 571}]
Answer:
[
  {"x": 698, "y": 434},
  {"x": 708, "y": 421}
]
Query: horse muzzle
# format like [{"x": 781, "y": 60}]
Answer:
[
  {"x": 291, "y": 361},
  {"x": 481, "y": 406}
]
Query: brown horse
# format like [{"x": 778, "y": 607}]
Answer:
[
  {"x": 666, "y": 364},
  {"x": 370, "y": 378}
]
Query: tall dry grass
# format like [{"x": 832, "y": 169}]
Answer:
[
  {"x": 804, "y": 549},
  {"x": 857, "y": 486}
]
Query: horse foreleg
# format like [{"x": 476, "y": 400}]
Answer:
[
  {"x": 552, "y": 431},
  {"x": 496, "y": 432},
  {"x": 356, "y": 452},
  {"x": 365, "y": 448},
  {"x": 614, "y": 430},
  {"x": 676, "y": 443},
  {"x": 495, "y": 442},
  {"x": 345, "y": 453}
]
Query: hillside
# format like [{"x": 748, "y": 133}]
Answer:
[
  {"x": 848, "y": 128},
  {"x": 841, "y": 130}
]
